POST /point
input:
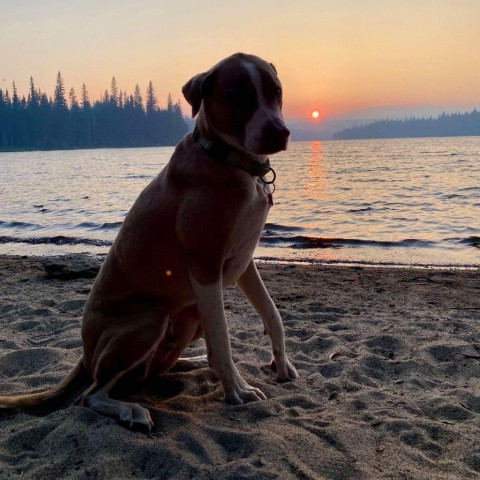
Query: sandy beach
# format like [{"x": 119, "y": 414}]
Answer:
[{"x": 389, "y": 387}]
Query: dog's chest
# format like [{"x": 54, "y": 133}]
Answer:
[{"x": 245, "y": 236}]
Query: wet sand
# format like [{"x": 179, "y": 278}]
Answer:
[{"x": 389, "y": 387}]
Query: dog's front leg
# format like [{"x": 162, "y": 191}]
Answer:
[
  {"x": 214, "y": 324},
  {"x": 254, "y": 289}
]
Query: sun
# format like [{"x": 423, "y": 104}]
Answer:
[{"x": 315, "y": 114}]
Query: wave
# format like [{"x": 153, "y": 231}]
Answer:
[
  {"x": 274, "y": 235},
  {"x": 297, "y": 242},
  {"x": 92, "y": 226},
  {"x": 57, "y": 240},
  {"x": 304, "y": 242},
  {"x": 138, "y": 176},
  {"x": 107, "y": 226},
  {"x": 450, "y": 196},
  {"x": 360, "y": 210},
  {"x": 472, "y": 241},
  {"x": 286, "y": 236},
  {"x": 20, "y": 225},
  {"x": 276, "y": 227}
]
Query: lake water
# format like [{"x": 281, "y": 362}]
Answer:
[{"x": 392, "y": 202}]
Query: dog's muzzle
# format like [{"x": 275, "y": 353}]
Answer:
[{"x": 274, "y": 137}]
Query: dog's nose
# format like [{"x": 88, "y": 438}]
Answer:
[
  {"x": 275, "y": 137},
  {"x": 284, "y": 132},
  {"x": 278, "y": 130}
]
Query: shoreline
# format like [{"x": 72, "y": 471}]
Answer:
[
  {"x": 366, "y": 264},
  {"x": 346, "y": 260},
  {"x": 389, "y": 387},
  {"x": 293, "y": 140}
]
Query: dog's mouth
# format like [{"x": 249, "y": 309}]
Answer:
[{"x": 273, "y": 140}]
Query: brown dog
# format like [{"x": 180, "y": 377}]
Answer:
[{"x": 190, "y": 233}]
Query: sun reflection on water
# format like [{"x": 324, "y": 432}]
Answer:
[{"x": 315, "y": 182}]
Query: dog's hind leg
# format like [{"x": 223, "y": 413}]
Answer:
[
  {"x": 126, "y": 412},
  {"x": 121, "y": 353},
  {"x": 97, "y": 396},
  {"x": 185, "y": 364},
  {"x": 254, "y": 289},
  {"x": 183, "y": 328}
]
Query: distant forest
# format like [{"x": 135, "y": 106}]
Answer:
[
  {"x": 39, "y": 122},
  {"x": 446, "y": 125}
]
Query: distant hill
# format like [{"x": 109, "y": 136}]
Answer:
[
  {"x": 323, "y": 129},
  {"x": 445, "y": 125}
]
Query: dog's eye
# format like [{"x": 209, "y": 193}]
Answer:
[{"x": 278, "y": 92}]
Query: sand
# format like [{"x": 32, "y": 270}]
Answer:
[{"x": 389, "y": 387}]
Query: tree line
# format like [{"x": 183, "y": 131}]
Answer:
[
  {"x": 39, "y": 122},
  {"x": 446, "y": 125}
]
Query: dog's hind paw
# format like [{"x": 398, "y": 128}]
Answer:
[
  {"x": 133, "y": 415},
  {"x": 192, "y": 363}
]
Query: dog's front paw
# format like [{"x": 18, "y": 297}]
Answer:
[
  {"x": 284, "y": 369},
  {"x": 241, "y": 392}
]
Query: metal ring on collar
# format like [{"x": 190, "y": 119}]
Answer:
[
  {"x": 269, "y": 188},
  {"x": 269, "y": 182}
]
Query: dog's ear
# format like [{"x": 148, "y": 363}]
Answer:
[
  {"x": 274, "y": 69},
  {"x": 195, "y": 90}
]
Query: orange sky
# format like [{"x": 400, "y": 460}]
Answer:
[{"x": 335, "y": 56}]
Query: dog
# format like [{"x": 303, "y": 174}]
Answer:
[{"x": 191, "y": 233}]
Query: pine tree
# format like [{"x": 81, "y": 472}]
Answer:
[
  {"x": 137, "y": 98},
  {"x": 46, "y": 123},
  {"x": 60, "y": 128},
  {"x": 8, "y": 100},
  {"x": 151, "y": 99},
  {"x": 32, "y": 114},
  {"x": 15, "y": 100},
  {"x": 86, "y": 135},
  {"x": 114, "y": 92},
  {"x": 33, "y": 96},
  {"x": 59, "y": 99},
  {"x": 20, "y": 131},
  {"x": 75, "y": 133},
  {"x": 73, "y": 99},
  {"x": 3, "y": 122},
  {"x": 85, "y": 101}
]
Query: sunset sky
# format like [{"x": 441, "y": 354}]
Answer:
[{"x": 336, "y": 56}]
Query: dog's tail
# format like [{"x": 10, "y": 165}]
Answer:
[{"x": 52, "y": 398}]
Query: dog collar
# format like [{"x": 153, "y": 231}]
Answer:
[{"x": 223, "y": 153}]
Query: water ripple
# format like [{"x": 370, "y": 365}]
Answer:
[{"x": 403, "y": 196}]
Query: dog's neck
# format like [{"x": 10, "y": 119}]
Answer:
[{"x": 255, "y": 165}]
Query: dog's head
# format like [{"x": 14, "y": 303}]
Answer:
[{"x": 239, "y": 100}]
